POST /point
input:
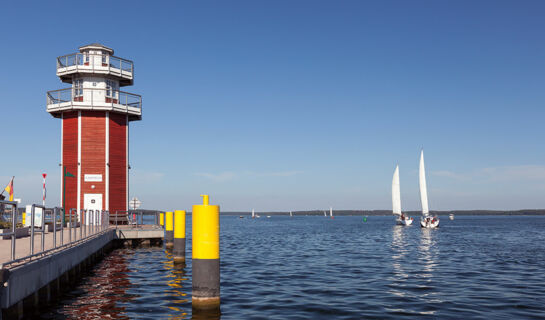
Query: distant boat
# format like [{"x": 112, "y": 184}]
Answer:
[
  {"x": 331, "y": 212},
  {"x": 241, "y": 217},
  {"x": 426, "y": 221},
  {"x": 291, "y": 214},
  {"x": 253, "y": 213},
  {"x": 451, "y": 216},
  {"x": 268, "y": 216},
  {"x": 401, "y": 218},
  {"x": 325, "y": 214}
]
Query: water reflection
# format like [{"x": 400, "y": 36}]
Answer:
[
  {"x": 104, "y": 292},
  {"x": 428, "y": 253},
  {"x": 427, "y": 249},
  {"x": 399, "y": 251},
  {"x": 178, "y": 301}
]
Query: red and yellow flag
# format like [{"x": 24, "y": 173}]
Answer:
[{"x": 9, "y": 189}]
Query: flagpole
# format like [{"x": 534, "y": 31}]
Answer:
[{"x": 43, "y": 191}]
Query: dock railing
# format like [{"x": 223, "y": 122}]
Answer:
[
  {"x": 11, "y": 233},
  {"x": 97, "y": 222},
  {"x": 135, "y": 218}
]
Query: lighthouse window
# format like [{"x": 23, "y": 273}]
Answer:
[
  {"x": 78, "y": 87},
  {"x": 111, "y": 88}
]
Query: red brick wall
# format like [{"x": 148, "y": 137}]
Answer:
[
  {"x": 70, "y": 156},
  {"x": 93, "y": 152},
  {"x": 118, "y": 162}
]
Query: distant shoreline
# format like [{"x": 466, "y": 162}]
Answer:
[{"x": 523, "y": 212}]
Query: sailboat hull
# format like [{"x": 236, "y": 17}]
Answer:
[
  {"x": 429, "y": 223},
  {"x": 404, "y": 222}
]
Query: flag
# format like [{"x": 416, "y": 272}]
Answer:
[
  {"x": 9, "y": 189},
  {"x": 68, "y": 174}
]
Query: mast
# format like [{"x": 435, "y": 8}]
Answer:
[
  {"x": 423, "y": 187},
  {"x": 396, "y": 193}
]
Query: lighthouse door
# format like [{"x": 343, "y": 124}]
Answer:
[{"x": 92, "y": 201}]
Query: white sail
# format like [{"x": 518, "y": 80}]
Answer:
[
  {"x": 325, "y": 214},
  {"x": 331, "y": 211},
  {"x": 253, "y": 213},
  {"x": 291, "y": 215},
  {"x": 423, "y": 188},
  {"x": 396, "y": 193}
]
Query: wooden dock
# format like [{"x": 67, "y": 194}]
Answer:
[{"x": 28, "y": 282}]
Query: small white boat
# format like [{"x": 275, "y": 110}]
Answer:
[
  {"x": 268, "y": 216},
  {"x": 291, "y": 214},
  {"x": 401, "y": 218},
  {"x": 451, "y": 216},
  {"x": 325, "y": 214},
  {"x": 426, "y": 221},
  {"x": 253, "y": 213},
  {"x": 331, "y": 213}
]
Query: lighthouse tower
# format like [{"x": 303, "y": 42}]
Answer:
[{"x": 95, "y": 117}]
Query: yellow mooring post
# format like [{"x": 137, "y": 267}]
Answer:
[
  {"x": 162, "y": 219},
  {"x": 24, "y": 218},
  {"x": 169, "y": 230},
  {"x": 206, "y": 256},
  {"x": 179, "y": 236}
]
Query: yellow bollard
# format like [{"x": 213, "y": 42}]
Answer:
[
  {"x": 162, "y": 219},
  {"x": 179, "y": 236},
  {"x": 169, "y": 229},
  {"x": 206, "y": 255},
  {"x": 24, "y": 218}
]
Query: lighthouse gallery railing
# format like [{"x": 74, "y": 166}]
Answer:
[
  {"x": 87, "y": 59},
  {"x": 94, "y": 96}
]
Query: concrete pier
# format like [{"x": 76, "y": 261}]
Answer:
[{"x": 30, "y": 283}]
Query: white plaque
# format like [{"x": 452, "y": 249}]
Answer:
[
  {"x": 92, "y": 178},
  {"x": 37, "y": 216}
]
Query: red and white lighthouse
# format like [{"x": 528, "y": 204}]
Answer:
[{"x": 95, "y": 118}]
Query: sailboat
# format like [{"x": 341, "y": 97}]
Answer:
[
  {"x": 401, "y": 218},
  {"x": 426, "y": 221},
  {"x": 291, "y": 214},
  {"x": 451, "y": 216},
  {"x": 331, "y": 212},
  {"x": 253, "y": 213},
  {"x": 325, "y": 214}
]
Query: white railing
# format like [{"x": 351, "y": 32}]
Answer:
[
  {"x": 92, "y": 97},
  {"x": 100, "y": 61}
]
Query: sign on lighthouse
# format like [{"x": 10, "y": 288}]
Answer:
[{"x": 95, "y": 116}]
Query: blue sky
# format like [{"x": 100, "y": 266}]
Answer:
[{"x": 292, "y": 105}]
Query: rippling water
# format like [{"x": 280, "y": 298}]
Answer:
[{"x": 342, "y": 268}]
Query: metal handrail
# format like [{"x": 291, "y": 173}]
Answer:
[
  {"x": 13, "y": 225},
  {"x": 134, "y": 217},
  {"x": 86, "y": 60},
  {"x": 99, "y": 224},
  {"x": 68, "y": 95}
]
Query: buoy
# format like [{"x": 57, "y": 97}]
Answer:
[
  {"x": 206, "y": 255},
  {"x": 179, "y": 236},
  {"x": 169, "y": 230}
]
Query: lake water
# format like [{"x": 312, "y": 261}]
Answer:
[{"x": 475, "y": 267}]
